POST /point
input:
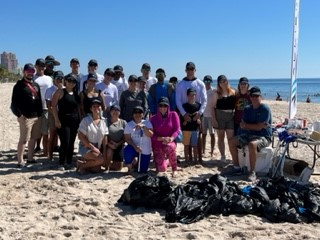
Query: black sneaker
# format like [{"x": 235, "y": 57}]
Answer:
[
  {"x": 56, "y": 149},
  {"x": 235, "y": 171}
]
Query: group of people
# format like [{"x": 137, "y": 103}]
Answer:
[{"x": 119, "y": 120}]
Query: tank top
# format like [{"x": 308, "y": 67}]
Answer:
[
  {"x": 68, "y": 105},
  {"x": 87, "y": 101},
  {"x": 226, "y": 103}
]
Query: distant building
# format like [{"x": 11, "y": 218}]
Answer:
[{"x": 9, "y": 62}]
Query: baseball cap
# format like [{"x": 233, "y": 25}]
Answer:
[
  {"x": 118, "y": 68},
  {"x": 133, "y": 78},
  {"x": 255, "y": 91},
  {"x": 173, "y": 79},
  {"x": 40, "y": 62},
  {"x": 71, "y": 77},
  {"x": 142, "y": 79},
  {"x": 146, "y": 66},
  {"x": 137, "y": 109},
  {"x": 95, "y": 101},
  {"x": 109, "y": 72},
  {"x": 207, "y": 79},
  {"x": 221, "y": 78},
  {"x": 163, "y": 100},
  {"x": 92, "y": 76},
  {"x": 191, "y": 90},
  {"x": 243, "y": 80},
  {"x": 115, "y": 107},
  {"x": 160, "y": 70},
  {"x": 58, "y": 74},
  {"x": 50, "y": 59},
  {"x": 74, "y": 60},
  {"x": 190, "y": 65},
  {"x": 93, "y": 62},
  {"x": 28, "y": 66}
]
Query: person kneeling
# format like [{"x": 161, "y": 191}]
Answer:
[{"x": 92, "y": 134}]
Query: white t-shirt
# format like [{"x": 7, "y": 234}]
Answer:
[
  {"x": 95, "y": 133},
  {"x": 85, "y": 78},
  {"x": 207, "y": 110},
  {"x": 110, "y": 93},
  {"x": 145, "y": 142},
  {"x": 44, "y": 83},
  {"x": 150, "y": 81},
  {"x": 121, "y": 85}
]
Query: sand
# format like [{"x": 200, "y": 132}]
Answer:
[{"x": 41, "y": 202}]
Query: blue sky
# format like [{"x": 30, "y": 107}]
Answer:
[{"x": 233, "y": 37}]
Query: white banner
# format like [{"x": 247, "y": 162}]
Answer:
[{"x": 294, "y": 62}]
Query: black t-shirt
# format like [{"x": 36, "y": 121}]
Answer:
[{"x": 190, "y": 108}]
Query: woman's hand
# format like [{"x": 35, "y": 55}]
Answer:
[
  {"x": 214, "y": 123},
  {"x": 57, "y": 123},
  {"x": 138, "y": 149},
  {"x": 95, "y": 150}
]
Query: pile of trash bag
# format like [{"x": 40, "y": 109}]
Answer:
[{"x": 278, "y": 200}]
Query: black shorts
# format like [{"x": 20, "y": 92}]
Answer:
[
  {"x": 118, "y": 154},
  {"x": 262, "y": 142}
]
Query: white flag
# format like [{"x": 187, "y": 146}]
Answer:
[{"x": 294, "y": 62}]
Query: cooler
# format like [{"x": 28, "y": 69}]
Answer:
[{"x": 264, "y": 159}]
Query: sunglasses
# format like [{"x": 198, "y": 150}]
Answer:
[
  {"x": 254, "y": 96},
  {"x": 139, "y": 112},
  {"x": 190, "y": 69},
  {"x": 71, "y": 81},
  {"x": 32, "y": 71},
  {"x": 243, "y": 83},
  {"x": 163, "y": 105},
  {"x": 50, "y": 62},
  {"x": 59, "y": 78},
  {"x": 133, "y": 80}
]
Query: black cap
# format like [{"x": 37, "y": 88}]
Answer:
[
  {"x": 115, "y": 107},
  {"x": 255, "y": 91},
  {"x": 28, "y": 66},
  {"x": 118, "y": 68},
  {"x": 190, "y": 65},
  {"x": 160, "y": 70},
  {"x": 93, "y": 62},
  {"x": 58, "y": 74},
  {"x": 222, "y": 77},
  {"x": 109, "y": 72},
  {"x": 74, "y": 60},
  {"x": 133, "y": 78},
  {"x": 173, "y": 79},
  {"x": 96, "y": 101},
  {"x": 146, "y": 66},
  {"x": 207, "y": 79},
  {"x": 51, "y": 60},
  {"x": 243, "y": 79},
  {"x": 191, "y": 90},
  {"x": 163, "y": 100},
  {"x": 142, "y": 79},
  {"x": 71, "y": 77},
  {"x": 92, "y": 76},
  {"x": 40, "y": 62},
  {"x": 137, "y": 109}
]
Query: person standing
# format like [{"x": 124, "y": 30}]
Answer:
[
  {"x": 242, "y": 100},
  {"x": 75, "y": 65},
  {"x": 44, "y": 83},
  {"x": 66, "y": 112},
  {"x": 131, "y": 98},
  {"x": 206, "y": 120},
  {"x": 158, "y": 90},
  {"x": 92, "y": 68},
  {"x": 119, "y": 80},
  {"x": 26, "y": 104},
  {"x": 255, "y": 131},
  {"x": 109, "y": 91},
  {"x": 145, "y": 70},
  {"x": 223, "y": 103}
]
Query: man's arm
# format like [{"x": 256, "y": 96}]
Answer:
[{"x": 203, "y": 99}]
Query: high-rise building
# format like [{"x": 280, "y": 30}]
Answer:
[{"x": 9, "y": 62}]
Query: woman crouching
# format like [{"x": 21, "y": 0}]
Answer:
[
  {"x": 92, "y": 134},
  {"x": 137, "y": 134}
]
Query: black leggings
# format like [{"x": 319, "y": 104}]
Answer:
[{"x": 67, "y": 134}]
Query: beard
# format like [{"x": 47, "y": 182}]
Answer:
[{"x": 29, "y": 77}]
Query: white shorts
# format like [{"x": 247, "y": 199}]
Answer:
[{"x": 207, "y": 125}]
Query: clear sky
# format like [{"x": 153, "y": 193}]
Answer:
[{"x": 233, "y": 37}]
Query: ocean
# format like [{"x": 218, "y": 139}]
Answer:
[{"x": 270, "y": 87}]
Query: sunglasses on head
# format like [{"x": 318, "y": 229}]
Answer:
[{"x": 163, "y": 105}]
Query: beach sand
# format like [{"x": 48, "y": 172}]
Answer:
[{"x": 41, "y": 202}]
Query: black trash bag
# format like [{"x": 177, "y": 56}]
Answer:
[
  {"x": 312, "y": 202},
  {"x": 220, "y": 181},
  {"x": 271, "y": 210},
  {"x": 260, "y": 194},
  {"x": 287, "y": 214},
  {"x": 148, "y": 191},
  {"x": 240, "y": 205}
]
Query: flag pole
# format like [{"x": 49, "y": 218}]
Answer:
[{"x": 294, "y": 62}]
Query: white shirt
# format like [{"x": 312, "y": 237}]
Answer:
[
  {"x": 121, "y": 85},
  {"x": 85, "y": 78},
  {"x": 110, "y": 93},
  {"x": 95, "y": 133},
  {"x": 150, "y": 81},
  {"x": 207, "y": 110},
  {"x": 144, "y": 142},
  {"x": 44, "y": 83},
  {"x": 50, "y": 92}
]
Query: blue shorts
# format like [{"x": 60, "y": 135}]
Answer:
[{"x": 130, "y": 153}]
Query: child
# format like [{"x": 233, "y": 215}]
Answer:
[{"x": 190, "y": 126}]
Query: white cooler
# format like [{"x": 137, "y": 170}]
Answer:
[{"x": 264, "y": 159}]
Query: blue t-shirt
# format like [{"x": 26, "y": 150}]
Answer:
[{"x": 261, "y": 114}]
